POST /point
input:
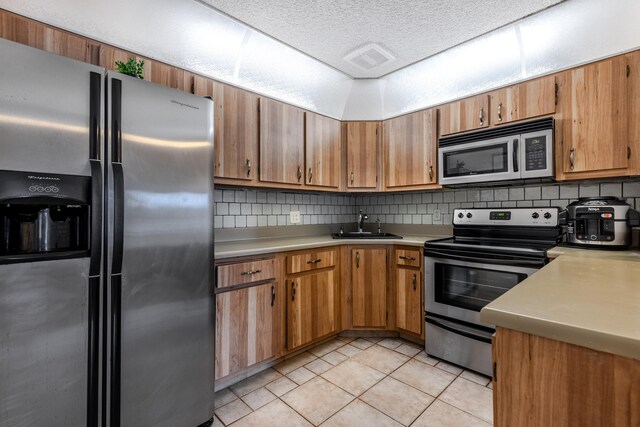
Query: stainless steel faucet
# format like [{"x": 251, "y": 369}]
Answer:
[{"x": 361, "y": 218}]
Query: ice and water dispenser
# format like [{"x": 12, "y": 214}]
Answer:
[{"x": 43, "y": 216}]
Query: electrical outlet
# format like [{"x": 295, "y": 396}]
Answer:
[
  {"x": 295, "y": 217},
  {"x": 437, "y": 215}
]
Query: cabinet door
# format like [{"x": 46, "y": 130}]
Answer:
[
  {"x": 410, "y": 149},
  {"x": 467, "y": 114},
  {"x": 524, "y": 101},
  {"x": 281, "y": 142},
  {"x": 369, "y": 287},
  {"x": 594, "y": 106},
  {"x": 249, "y": 327},
  {"x": 408, "y": 300},
  {"x": 323, "y": 148},
  {"x": 311, "y": 307},
  {"x": 362, "y": 154},
  {"x": 235, "y": 136}
]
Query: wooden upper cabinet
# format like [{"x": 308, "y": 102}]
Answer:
[
  {"x": 281, "y": 142},
  {"x": 524, "y": 101},
  {"x": 594, "y": 128},
  {"x": 362, "y": 155},
  {"x": 464, "y": 115},
  {"x": 410, "y": 145},
  {"x": 369, "y": 287},
  {"x": 235, "y": 129},
  {"x": 323, "y": 149}
]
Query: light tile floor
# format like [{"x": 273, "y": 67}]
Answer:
[{"x": 359, "y": 382}]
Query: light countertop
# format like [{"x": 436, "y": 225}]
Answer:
[
  {"x": 584, "y": 297},
  {"x": 283, "y": 244}
]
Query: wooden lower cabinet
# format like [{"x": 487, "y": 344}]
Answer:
[
  {"x": 409, "y": 300},
  {"x": 249, "y": 327},
  {"x": 312, "y": 307},
  {"x": 369, "y": 287},
  {"x": 542, "y": 382}
]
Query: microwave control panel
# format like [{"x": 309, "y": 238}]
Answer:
[{"x": 536, "y": 153}]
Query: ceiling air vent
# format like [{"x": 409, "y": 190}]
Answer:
[{"x": 369, "y": 57}]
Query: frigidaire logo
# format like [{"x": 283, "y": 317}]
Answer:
[
  {"x": 48, "y": 178},
  {"x": 184, "y": 105}
]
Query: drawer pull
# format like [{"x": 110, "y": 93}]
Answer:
[
  {"x": 408, "y": 258},
  {"x": 250, "y": 272},
  {"x": 314, "y": 261}
]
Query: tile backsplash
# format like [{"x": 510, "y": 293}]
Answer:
[{"x": 240, "y": 208}]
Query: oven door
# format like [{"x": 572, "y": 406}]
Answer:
[
  {"x": 459, "y": 289},
  {"x": 491, "y": 160}
]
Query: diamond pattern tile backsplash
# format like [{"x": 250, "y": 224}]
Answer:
[{"x": 239, "y": 208}]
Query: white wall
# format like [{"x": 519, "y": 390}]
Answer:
[{"x": 190, "y": 35}]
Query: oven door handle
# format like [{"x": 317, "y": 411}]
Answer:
[
  {"x": 452, "y": 329},
  {"x": 478, "y": 258}
]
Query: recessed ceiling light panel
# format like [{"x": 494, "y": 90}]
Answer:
[{"x": 369, "y": 57}]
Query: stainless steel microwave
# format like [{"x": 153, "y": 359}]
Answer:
[{"x": 507, "y": 153}]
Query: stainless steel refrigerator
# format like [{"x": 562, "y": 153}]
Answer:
[{"x": 106, "y": 247}]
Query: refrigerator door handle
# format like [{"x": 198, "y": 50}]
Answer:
[
  {"x": 118, "y": 218},
  {"x": 116, "y": 119},
  {"x": 96, "y": 217},
  {"x": 116, "y": 339},
  {"x": 118, "y": 175},
  {"x": 95, "y": 82},
  {"x": 93, "y": 313}
]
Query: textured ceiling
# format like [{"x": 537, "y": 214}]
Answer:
[{"x": 411, "y": 30}]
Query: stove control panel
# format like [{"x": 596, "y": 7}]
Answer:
[{"x": 529, "y": 217}]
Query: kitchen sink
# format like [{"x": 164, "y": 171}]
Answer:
[{"x": 364, "y": 235}]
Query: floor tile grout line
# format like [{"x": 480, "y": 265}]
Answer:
[
  {"x": 357, "y": 397},
  {"x": 454, "y": 406}
]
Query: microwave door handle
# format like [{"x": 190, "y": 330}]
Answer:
[
  {"x": 454, "y": 330},
  {"x": 516, "y": 153},
  {"x": 477, "y": 258}
]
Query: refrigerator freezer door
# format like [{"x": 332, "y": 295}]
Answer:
[
  {"x": 43, "y": 336},
  {"x": 44, "y": 111},
  {"x": 50, "y": 123},
  {"x": 165, "y": 308}
]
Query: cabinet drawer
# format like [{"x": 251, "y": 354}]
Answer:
[
  {"x": 310, "y": 261},
  {"x": 410, "y": 257},
  {"x": 246, "y": 272}
]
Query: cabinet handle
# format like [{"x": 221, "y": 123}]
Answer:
[
  {"x": 352, "y": 177},
  {"x": 499, "y": 112},
  {"x": 248, "y": 168},
  {"x": 314, "y": 261},
  {"x": 250, "y": 272},
  {"x": 293, "y": 290},
  {"x": 415, "y": 281},
  {"x": 273, "y": 295},
  {"x": 310, "y": 175},
  {"x": 481, "y": 116},
  {"x": 357, "y": 259},
  {"x": 628, "y": 152},
  {"x": 299, "y": 173},
  {"x": 431, "y": 172},
  {"x": 408, "y": 258},
  {"x": 572, "y": 153}
]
